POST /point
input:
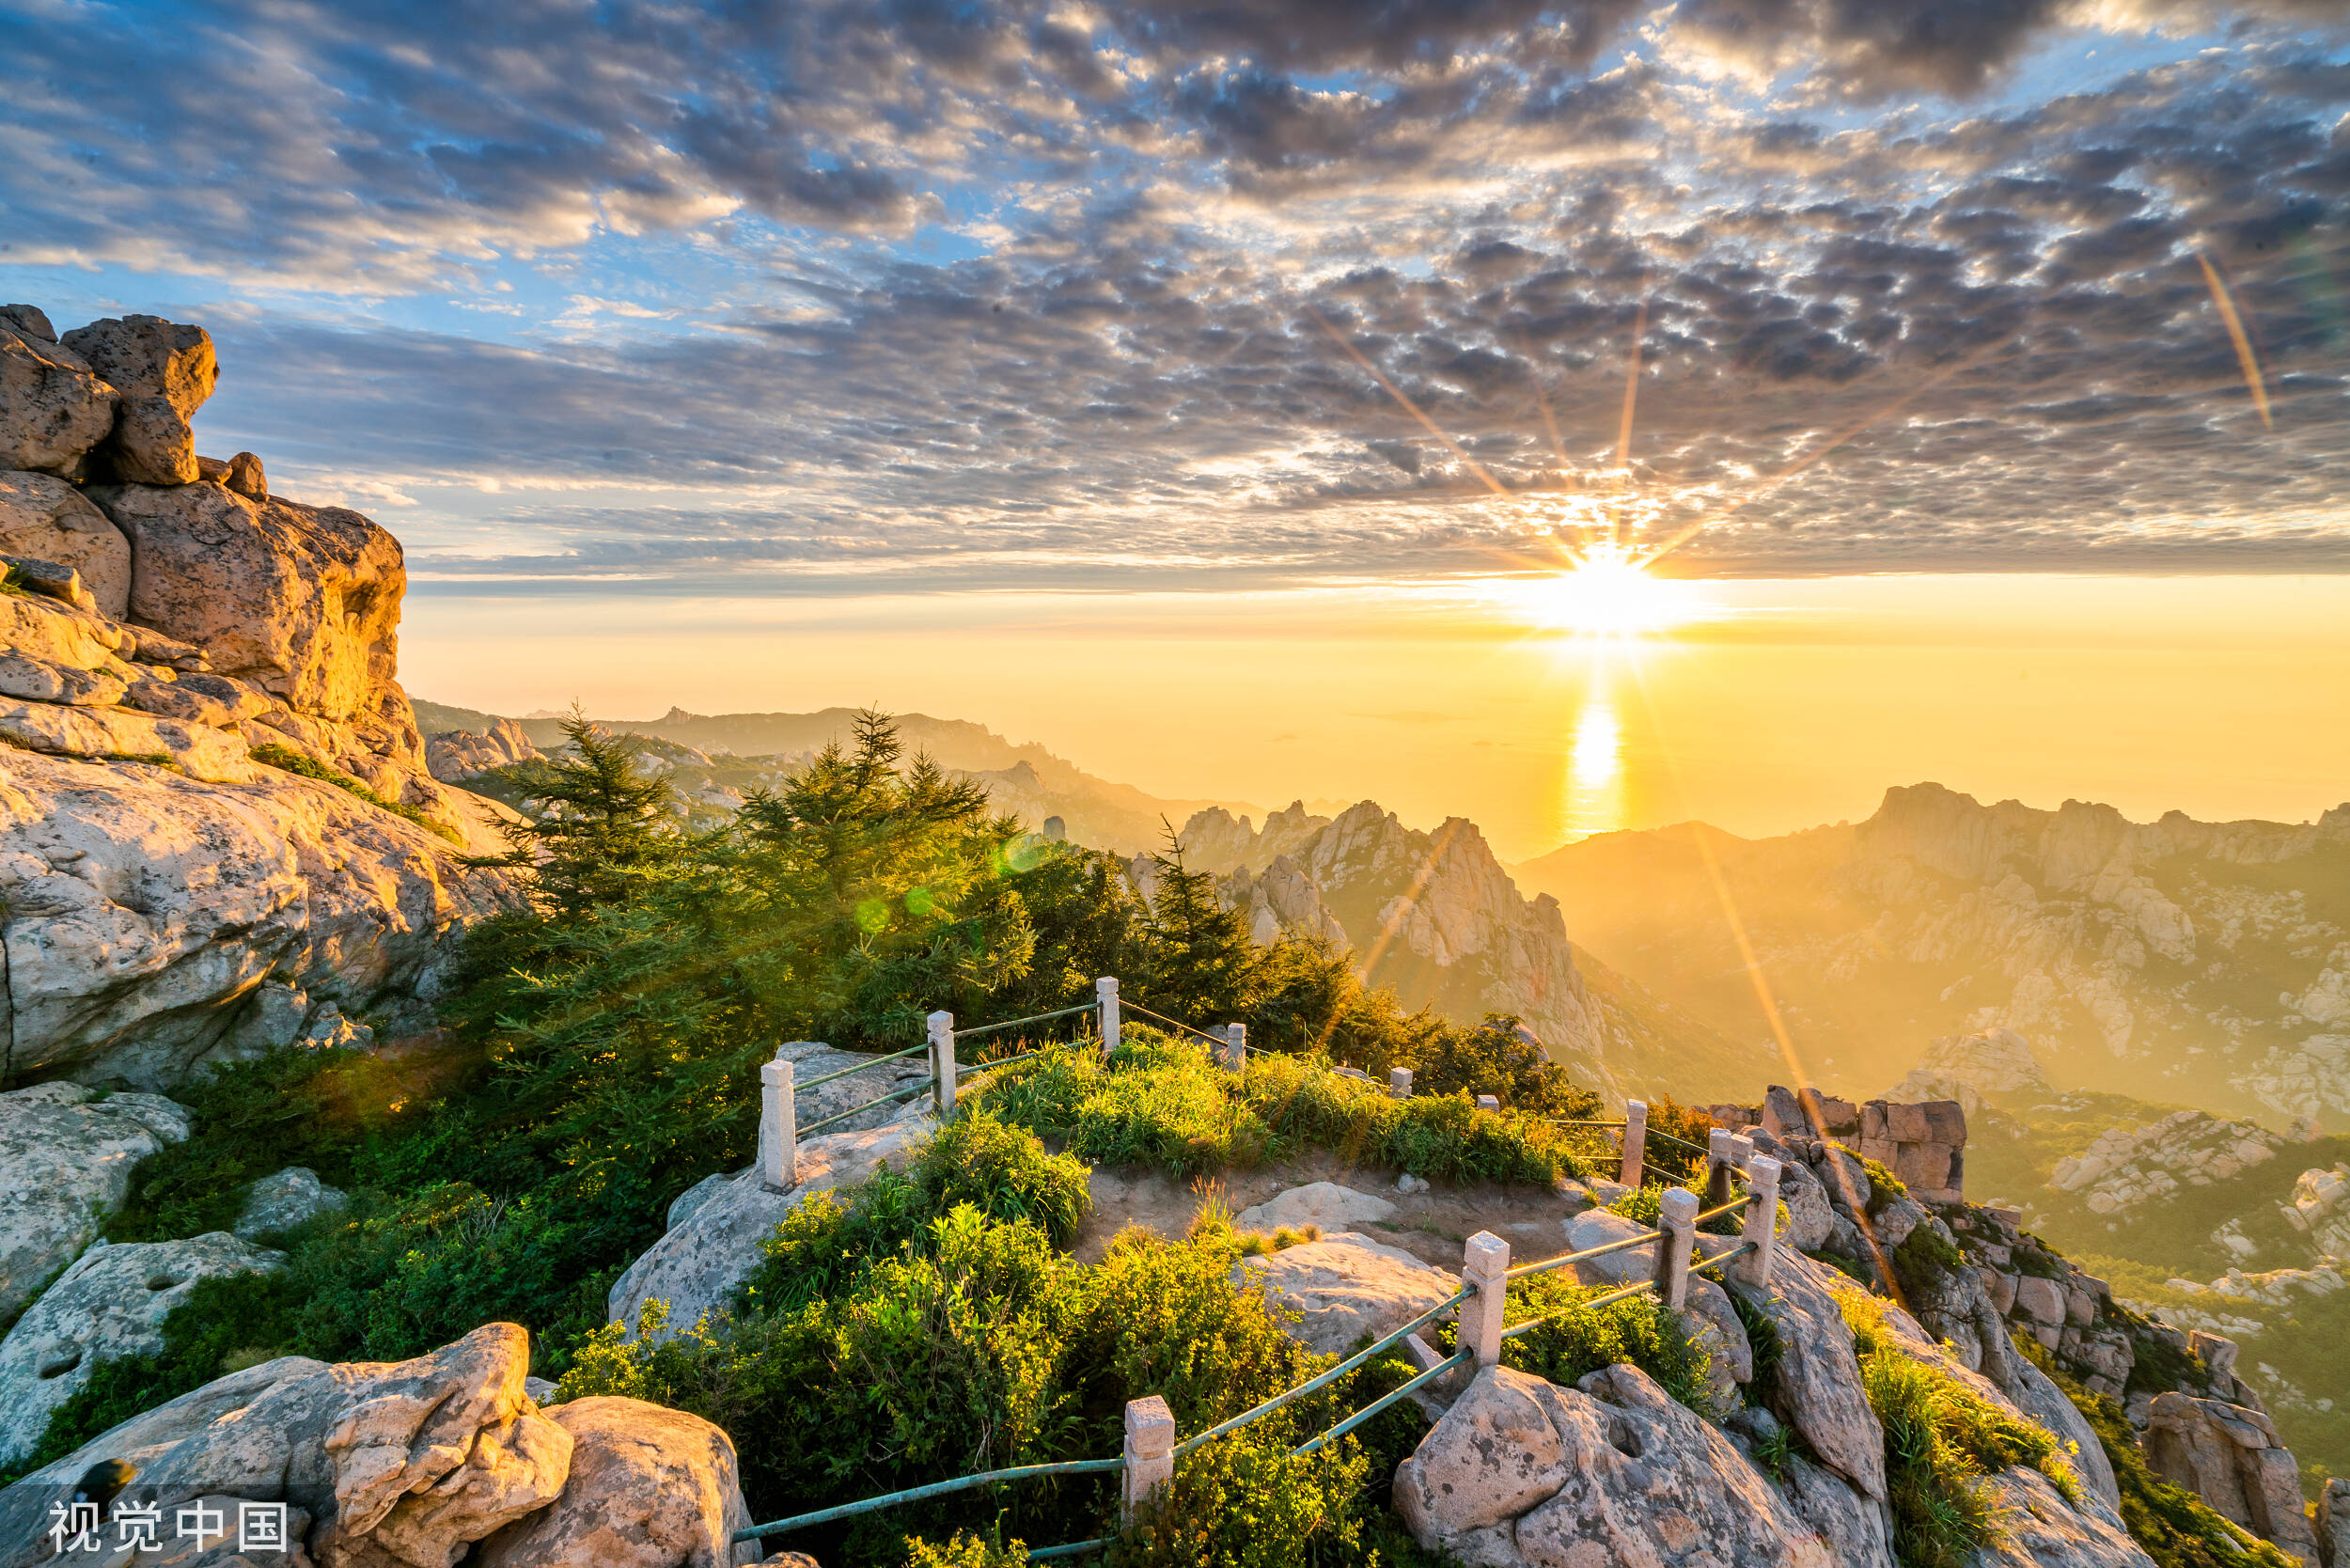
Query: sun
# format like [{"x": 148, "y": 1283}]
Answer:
[{"x": 1606, "y": 593}]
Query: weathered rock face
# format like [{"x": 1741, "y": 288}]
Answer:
[
  {"x": 1818, "y": 1376},
  {"x": 400, "y": 1465},
  {"x": 165, "y": 640},
  {"x": 2231, "y": 1457},
  {"x": 1345, "y": 1286},
  {"x": 44, "y": 517},
  {"x": 303, "y": 602},
  {"x": 648, "y": 1488},
  {"x": 110, "y": 1304},
  {"x": 1966, "y": 1066},
  {"x": 165, "y": 371},
  {"x": 2043, "y": 1532},
  {"x": 2128, "y": 1166},
  {"x": 713, "y": 1245},
  {"x": 54, "y": 408},
  {"x": 145, "y": 910},
  {"x": 1610, "y": 1473},
  {"x": 2333, "y": 1524},
  {"x": 64, "y": 1163}
]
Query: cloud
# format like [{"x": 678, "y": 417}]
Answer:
[{"x": 820, "y": 297}]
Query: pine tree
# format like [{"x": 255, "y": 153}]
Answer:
[
  {"x": 1202, "y": 961},
  {"x": 596, "y": 816}
]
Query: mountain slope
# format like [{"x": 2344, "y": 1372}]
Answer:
[
  {"x": 1436, "y": 917},
  {"x": 2210, "y": 959}
]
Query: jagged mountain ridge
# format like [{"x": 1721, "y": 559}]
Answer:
[
  {"x": 2213, "y": 958},
  {"x": 1434, "y": 917},
  {"x": 1022, "y": 777}
]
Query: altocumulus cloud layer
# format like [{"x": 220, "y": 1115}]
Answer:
[{"x": 831, "y": 295}]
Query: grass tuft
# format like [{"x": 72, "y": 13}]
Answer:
[{"x": 286, "y": 760}]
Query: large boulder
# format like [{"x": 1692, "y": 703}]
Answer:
[
  {"x": 66, "y": 1158},
  {"x": 54, "y": 407},
  {"x": 44, "y": 517},
  {"x": 648, "y": 1488},
  {"x": 1610, "y": 1474},
  {"x": 109, "y": 1305},
  {"x": 704, "y": 1258},
  {"x": 1345, "y": 1286},
  {"x": 399, "y": 1464},
  {"x": 301, "y": 601},
  {"x": 144, "y": 910},
  {"x": 163, "y": 371},
  {"x": 2232, "y": 1457},
  {"x": 286, "y": 1202}
]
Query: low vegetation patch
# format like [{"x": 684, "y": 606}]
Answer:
[
  {"x": 1941, "y": 1439},
  {"x": 1164, "y": 1103},
  {"x": 286, "y": 760},
  {"x": 1576, "y": 1339}
]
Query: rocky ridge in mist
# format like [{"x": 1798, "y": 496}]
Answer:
[
  {"x": 2206, "y": 958},
  {"x": 1434, "y": 917}
]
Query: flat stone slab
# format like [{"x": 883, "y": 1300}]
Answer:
[
  {"x": 1326, "y": 1205},
  {"x": 1346, "y": 1286}
]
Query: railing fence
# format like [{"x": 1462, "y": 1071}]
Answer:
[{"x": 1146, "y": 1465}]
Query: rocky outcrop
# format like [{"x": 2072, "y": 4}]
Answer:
[
  {"x": 2040, "y": 1530},
  {"x": 286, "y": 1202},
  {"x": 1608, "y": 1473},
  {"x": 457, "y": 755},
  {"x": 2321, "y": 1207},
  {"x": 1966, "y": 1066},
  {"x": 2332, "y": 1524},
  {"x": 2125, "y": 1168},
  {"x": 648, "y": 1488},
  {"x": 2231, "y": 1458},
  {"x": 242, "y": 797},
  {"x": 1441, "y": 922},
  {"x": 164, "y": 371},
  {"x": 712, "y": 1245},
  {"x": 1343, "y": 1287},
  {"x": 66, "y": 1159},
  {"x": 148, "y": 912},
  {"x": 109, "y": 1305}
]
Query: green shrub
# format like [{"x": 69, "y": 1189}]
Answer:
[
  {"x": 967, "y": 1550},
  {"x": 1924, "y": 1260},
  {"x": 1579, "y": 1339},
  {"x": 1304, "y": 1103},
  {"x": 1005, "y": 1172},
  {"x": 286, "y": 760},
  {"x": 1245, "y": 1502}
]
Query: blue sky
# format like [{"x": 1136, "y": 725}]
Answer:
[{"x": 819, "y": 298}]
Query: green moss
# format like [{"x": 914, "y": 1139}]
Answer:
[
  {"x": 1924, "y": 1258},
  {"x": 287, "y": 760}
]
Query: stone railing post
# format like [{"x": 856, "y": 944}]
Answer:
[
  {"x": 1399, "y": 1083},
  {"x": 1489, "y": 1103},
  {"x": 778, "y": 1142},
  {"x": 1235, "y": 1047},
  {"x": 1721, "y": 1158},
  {"x": 1150, "y": 1454},
  {"x": 1105, "y": 1002},
  {"x": 1677, "y": 1217},
  {"x": 1762, "y": 1228},
  {"x": 943, "y": 1063},
  {"x": 1635, "y": 1142},
  {"x": 1485, "y": 1265}
]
